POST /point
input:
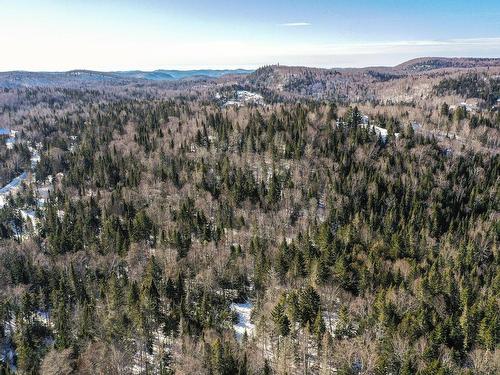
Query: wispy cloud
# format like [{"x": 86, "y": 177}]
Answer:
[
  {"x": 408, "y": 45},
  {"x": 294, "y": 24}
]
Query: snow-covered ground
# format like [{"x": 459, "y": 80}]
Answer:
[
  {"x": 11, "y": 188},
  {"x": 35, "y": 157},
  {"x": 29, "y": 215},
  {"x": 243, "y": 311},
  {"x": 14, "y": 185},
  {"x": 7, "y": 352},
  {"x": 380, "y": 131},
  {"x": 9, "y": 142},
  {"x": 331, "y": 319},
  {"x": 365, "y": 122},
  {"x": 143, "y": 361},
  {"x": 468, "y": 107},
  {"x": 245, "y": 97}
]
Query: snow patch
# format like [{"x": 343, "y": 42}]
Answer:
[
  {"x": 380, "y": 131},
  {"x": 243, "y": 311},
  {"x": 245, "y": 97},
  {"x": 14, "y": 184}
]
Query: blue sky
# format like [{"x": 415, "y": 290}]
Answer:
[{"x": 153, "y": 34}]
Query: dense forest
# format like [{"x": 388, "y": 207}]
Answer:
[
  {"x": 173, "y": 235},
  {"x": 471, "y": 85}
]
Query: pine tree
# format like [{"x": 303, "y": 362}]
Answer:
[
  {"x": 309, "y": 305},
  {"x": 280, "y": 320},
  {"x": 319, "y": 328},
  {"x": 61, "y": 319},
  {"x": 27, "y": 359}
]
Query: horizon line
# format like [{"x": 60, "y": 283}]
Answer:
[
  {"x": 177, "y": 69},
  {"x": 248, "y": 68}
]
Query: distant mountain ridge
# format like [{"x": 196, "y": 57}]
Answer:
[
  {"x": 316, "y": 82},
  {"x": 163, "y": 74},
  {"x": 432, "y": 63},
  {"x": 80, "y": 78},
  {"x": 85, "y": 78}
]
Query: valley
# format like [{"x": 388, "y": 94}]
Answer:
[{"x": 287, "y": 220}]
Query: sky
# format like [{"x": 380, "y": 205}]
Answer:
[{"x": 57, "y": 35}]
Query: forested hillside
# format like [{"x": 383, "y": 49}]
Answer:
[
  {"x": 472, "y": 86},
  {"x": 161, "y": 233}
]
